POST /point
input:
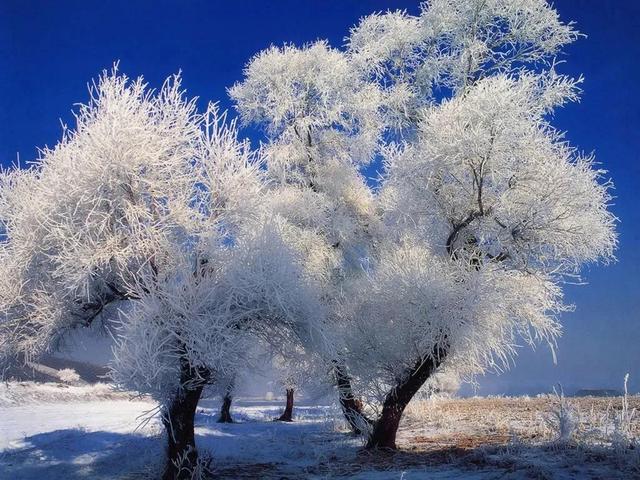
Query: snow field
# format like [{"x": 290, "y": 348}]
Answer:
[{"x": 93, "y": 432}]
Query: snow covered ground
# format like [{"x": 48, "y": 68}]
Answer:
[{"x": 65, "y": 433}]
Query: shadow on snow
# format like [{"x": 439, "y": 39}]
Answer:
[
  {"x": 257, "y": 448},
  {"x": 79, "y": 454}
]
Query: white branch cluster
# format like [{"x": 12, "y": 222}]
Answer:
[{"x": 482, "y": 210}]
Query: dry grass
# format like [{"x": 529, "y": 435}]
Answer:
[
  {"x": 473, "y": 422},
  {"x": 519, "y": 435},
  {"x": 501, "y": 438}
]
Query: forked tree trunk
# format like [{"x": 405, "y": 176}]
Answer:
[
  {"x": 287, "y": 415},
  {"x": 225, "y": 410},
  {"x": 179, "y": 421},
  {"x": 385, "y": 428},
  {"x": 351, "y": 407}
]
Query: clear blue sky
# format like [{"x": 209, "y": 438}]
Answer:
[{"x": 50, "y": 50}]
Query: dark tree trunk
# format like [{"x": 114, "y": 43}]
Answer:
[
  {"x": 351, "y": 407},
  {"x": 287, "y": 415},
  {"x": 179, "y": 422},
  {"x": 225, "y": 411},
  {"x": 179, "y": 419},
  {"x": 386, "y": 426}
]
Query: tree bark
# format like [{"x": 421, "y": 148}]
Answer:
[
  {"x": 287, "y": 415},
  {"x": 351, "y": 407},
  {"x": 386, "y": 426},
  {"x": 179, "y": 422},
  {"x": 225, "y": 410},
  {"x": 179, "y": 419}
]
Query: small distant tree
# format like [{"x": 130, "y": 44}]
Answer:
[
  {"x": 295, "y": 369},
  {"x": 227, "y": 398},
  {"x": 287, "y": 379}
]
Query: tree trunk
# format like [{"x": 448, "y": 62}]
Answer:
[
  {"x": 225, "y": 411},
  {"x": 179, "y": 421},
  {"x": 386, "y": 426},
  {"x": 287, "y": 416},
  {"x": 179, "y": 418},
  {"x": 351, "y": 407}
]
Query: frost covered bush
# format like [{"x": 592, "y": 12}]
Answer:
[
  {"x": 200, "y": 470},
  {"x": 68, "y": 375},
  {"x": 443, "y": 383},
  {"x": 622, "y": 437},
  {"x": 563, "y": 419}
]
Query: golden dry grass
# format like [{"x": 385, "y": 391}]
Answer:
[{"x": 473, "y": 422}]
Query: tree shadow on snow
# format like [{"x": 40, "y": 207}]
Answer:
[
  {"x": 77, "y": 454},
  {"x": 240, "y": 450},
  {"x": 258, "y": 448}
]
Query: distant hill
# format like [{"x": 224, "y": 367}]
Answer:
[
  {"x": 86, "y": 351},
  {"x": 54, "y": 369},
  {"x": 595, "y": 392}
]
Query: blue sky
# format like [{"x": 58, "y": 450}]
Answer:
[{"x": 50, "y": 50}]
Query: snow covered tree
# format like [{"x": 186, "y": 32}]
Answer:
[
  {"x": 150, "y": 203},
  {"x": 323, "y": 121},
  {"x": 91, "y": 210},
  {"x": 296, "y": 368},
  {"x": 158, "y": 209},
  {"x": 198, "y": 324},
  {"x": 327, "y": 113},
  {"x": 486, "y": 208},
  {"x": 228, "y": 389}
]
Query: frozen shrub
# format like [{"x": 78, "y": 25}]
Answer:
[
  {"x": 563, "y": 419},
  {"x": 622, "y": 437},
  {"x": 68, "y": 375}
]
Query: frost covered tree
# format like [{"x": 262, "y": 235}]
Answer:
[
  {"x": 323, "y": 121},
  {"x": 198, "y": 324},
  {"x": 157, "y": 206},
  {"x": 85, "y": 214},
  {"x": 486, "y": 208},
  {"x": 457, "y": 100},
  {"x": 297, "y": 368},
  {"x": 482, "y": 212},
  {"x": 254, "y": 359},
  {"x": 228, "y": 389}
]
